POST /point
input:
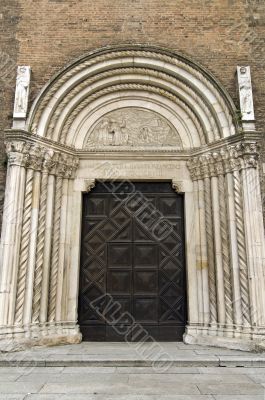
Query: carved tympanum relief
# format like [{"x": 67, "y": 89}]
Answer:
[{"x": 133, "y": 127}]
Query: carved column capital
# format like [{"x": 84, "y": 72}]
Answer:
[
  {"x": 17, "y": 153},
  {"x": 249, "y": 153},
  {"x": 48, "y": 161},
  {"x": 194, "y": 167},
  {"x": 66, "y": 165},
  {"x": 35, "y": 159},
  {"x": 218, "y": 163},
  {"x": 227, "y": 159}
]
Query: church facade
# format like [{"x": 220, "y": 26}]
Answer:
[{"x": 134, "y": 175}]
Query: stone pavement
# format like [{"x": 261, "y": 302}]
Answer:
[{"x": 118, "y": 371}]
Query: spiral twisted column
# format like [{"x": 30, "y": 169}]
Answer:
[
  {"x": 48, "y": 163},
  {"x": 243, "y": 270},
  {"x": 24, "y": 248},
  {"x": 55, "y": 248},
  {"x": 224, "y": 243}
]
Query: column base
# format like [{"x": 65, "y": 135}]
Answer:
[
  {"x": 19, "y": 338},
  {"x": 234, "y": 338}
]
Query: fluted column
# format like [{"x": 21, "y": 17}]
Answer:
[
  {"x": 11, "y": 227},
  {"x": 198, "y": 253},
  {"x": 202, "y": 245},
  {"x": 66, "y": 167},
  {"x": 254, "y": 231}
]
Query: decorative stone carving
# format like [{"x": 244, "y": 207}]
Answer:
[
  {"x": 228, "y": 159},
  {"x": 17, "y": 153},
  {"x": 133, "y": 127},
  {"x": 245, "y": 93},
  {"x": 90, "y": 184},
  {"x": 22, "y": 92},
  {"x": 177, "y": 186}
]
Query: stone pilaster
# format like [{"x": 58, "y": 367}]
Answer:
[
  {"x": 17, "y": 153},
  {"x": 233, "y": 215}
]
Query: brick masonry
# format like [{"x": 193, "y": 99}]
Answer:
[{"x": 47, "y": 34}]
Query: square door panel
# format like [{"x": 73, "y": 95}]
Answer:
[
  {"x": 145, "y": 309},
  {"x": 170, "y": 206},
  {"x": 117, "y": 310},
  {"x": 119, "y": 282},
  {"x": 120, "y": 255},
  {"x": 96, "y": 206},
  {"x": 145, "y": 255},
  {"x": 145, "y": 282}
]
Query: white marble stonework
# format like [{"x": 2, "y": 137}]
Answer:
[
  {"x": 132, "y": 114},
  {"x": 22, "y": 93}
]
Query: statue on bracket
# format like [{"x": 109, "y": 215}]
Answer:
[{"x": 135, "y": 127}]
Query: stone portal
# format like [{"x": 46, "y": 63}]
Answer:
[{"x": 137, "y": 115}]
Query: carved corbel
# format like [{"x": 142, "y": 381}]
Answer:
[
  {"x": 177, "y": 186},
  {"x": 89, "y": 184}
]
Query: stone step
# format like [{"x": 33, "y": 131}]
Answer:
[{"x": 18, "y": 360}]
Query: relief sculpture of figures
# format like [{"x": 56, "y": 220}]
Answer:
[
  {"x": 132, "y": 127},
  {"x": 245, "y": 93},
  {"x": 22, "y": 92}
]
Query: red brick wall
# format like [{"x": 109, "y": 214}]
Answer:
[
  {"x": 220, "y": 34},
  {"x": 9, "y": 19}
]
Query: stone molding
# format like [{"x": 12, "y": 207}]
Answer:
[
  {"x": 184, "y": 85},
  {"x": 227, "y": 159}
]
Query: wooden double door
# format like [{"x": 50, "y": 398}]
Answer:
[{"x": 132, "y": 273}]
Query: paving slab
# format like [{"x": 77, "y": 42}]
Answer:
[
  {"x": 149, "y": 370},
  {"x": 121, "y": 388},
  {"x": 232, "y": 389},
  {"x": 70, "y": 379},
  {"x": 149, "y": 379},
  {"x": 19, "y": 387}
]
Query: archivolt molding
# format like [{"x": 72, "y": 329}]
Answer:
[
  {"x": 97, "y": 75},
  {"x": 139, "y": 75}
]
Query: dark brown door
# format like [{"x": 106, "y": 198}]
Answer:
[{"x": 132, "y": 274}]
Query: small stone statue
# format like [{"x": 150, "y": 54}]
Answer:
[
  {"x": 245, "y": 93},
  {"x": 22, "y": 92}
]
